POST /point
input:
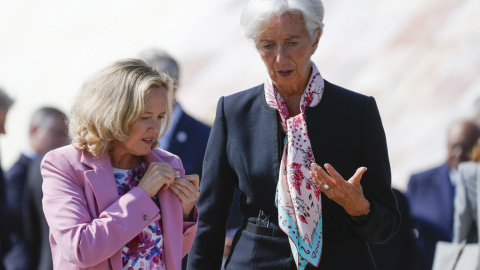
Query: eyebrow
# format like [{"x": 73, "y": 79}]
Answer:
[
  {"x": 164, "y": 112},
  {"x": 288, "y": 38},
  {"x": 292, "y": 37}
]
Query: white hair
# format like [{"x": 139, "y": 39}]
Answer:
[{"x": 258, "y": 11}]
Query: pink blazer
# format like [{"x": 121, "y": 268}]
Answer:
[{"x": 90, "y": 223}]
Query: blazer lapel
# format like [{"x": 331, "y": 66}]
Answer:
[
  {"x": 272, "y": 127},
  {"x": 172, "y": 216},
  {"x": 104, "y": 187},
  {"x": 101, "y": 180}
]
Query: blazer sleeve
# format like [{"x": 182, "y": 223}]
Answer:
[
  {"x": 82, "y": 239},
  {"x": 384, "y": 219},
  {"x": 216, "y": 193},
  {"x": 463, "y": 210}
]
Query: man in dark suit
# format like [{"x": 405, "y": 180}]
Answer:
[
  {"x": 5, "y": 104},
  {"x": 431, "y": 193},
  {"x": 48, "y": 131},
  {"x": 35, "y": 227}
]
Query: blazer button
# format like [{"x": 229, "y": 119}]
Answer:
[{"x": 145, "y": 217}]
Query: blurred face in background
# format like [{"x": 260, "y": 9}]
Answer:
[
  {"x": 50, "y": 135},
  {"x": 461, "y": 139},
  {"x": 3, "y": 118}
]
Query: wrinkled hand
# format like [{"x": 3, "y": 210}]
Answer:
[
  {"x": 159, "y": 175},
  {"x": 348, "y": 194},
  {"x": 187, "y": 190}
]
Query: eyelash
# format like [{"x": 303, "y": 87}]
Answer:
[{"x": 146, "y": 118}]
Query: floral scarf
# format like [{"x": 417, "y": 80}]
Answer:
[{"x": 297, "y": 197}]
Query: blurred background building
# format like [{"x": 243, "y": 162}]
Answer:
[{"x": 420, "y": 60}]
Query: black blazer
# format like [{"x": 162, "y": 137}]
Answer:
[
  {"x": 401, "y": 251},
  {"x": 244, "y": 152}
]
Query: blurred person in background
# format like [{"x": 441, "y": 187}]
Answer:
[
  {"x": 401, "y": 251},
  {"x": 48, "y": 130},
  {"x": 476, "y": 117},
  {"x": 295, "y": 214},
  {"x": 431, "y": 193},
  {"x": 35, "y": 228},
  {"x": 5, "y": 104},
  {"x": 465, "y": 221},
  {"x": 187, "y": 137},
  {"x": 112, "y": 199}
]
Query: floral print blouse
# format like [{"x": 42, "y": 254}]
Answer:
[{"x": 145, "y": 251}]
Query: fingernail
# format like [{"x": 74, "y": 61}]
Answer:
[
  {"x": 177, "y": 173},
  {"x": 327, "y": 166}
]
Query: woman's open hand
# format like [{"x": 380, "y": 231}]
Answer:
[
  {"x": 188, "y": 190},
  {"x": 348, "y": 194},
  {"x": 159, "y": 175}
]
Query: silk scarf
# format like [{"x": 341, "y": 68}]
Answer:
[{"x": 297, "y": 198}]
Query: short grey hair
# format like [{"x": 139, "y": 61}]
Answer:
[
  {"x": 41, "y": 117},
  {"x": 258, "y": 11},
  {"x": 5, "y": 101},
  {"x": 162, "y": 61}
]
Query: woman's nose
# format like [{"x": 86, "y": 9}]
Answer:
[
  {"x": 156, "y": 125},
  {"x": 281, "y": 54}
]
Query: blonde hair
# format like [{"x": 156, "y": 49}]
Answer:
[
  {"x": 111, "y": 101},
  {"x": 476, "y": 152}
]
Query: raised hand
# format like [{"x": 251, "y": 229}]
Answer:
[
  {"x": 159, "y": 175},
  {"x": 348, "y": 194}
]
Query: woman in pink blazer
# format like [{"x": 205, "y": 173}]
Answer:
[{"x": 111, "y": 199}]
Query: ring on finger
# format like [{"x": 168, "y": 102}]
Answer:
[{"x": 325, "y": 186}]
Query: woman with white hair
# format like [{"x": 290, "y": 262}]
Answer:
[
  {"x": 267, "y": 141},
  {"x": 112, "y": 199}
]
